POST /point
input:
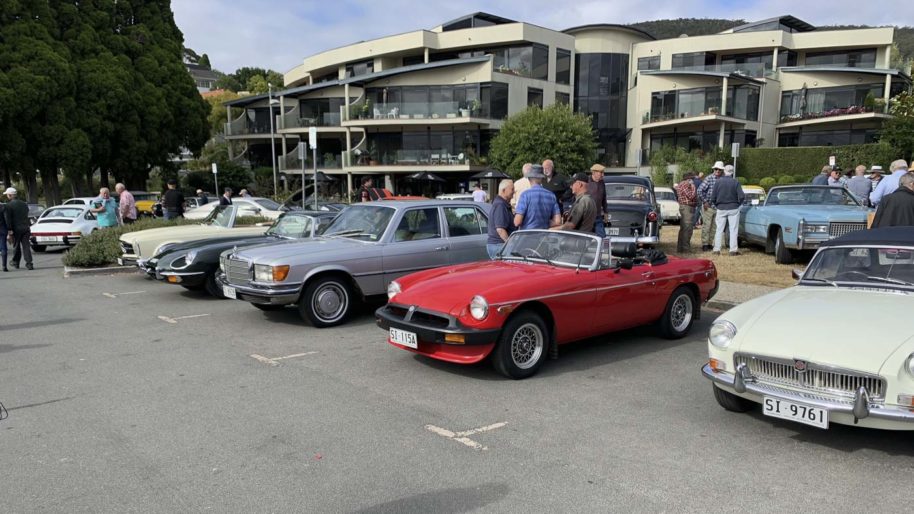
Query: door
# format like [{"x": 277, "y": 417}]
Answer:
[
  {"x": 467, "y": 231},
  {"x": 625, "y": 298},
  {"x": 416, "y": 244}
]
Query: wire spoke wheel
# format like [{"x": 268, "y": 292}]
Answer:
[
  {"x": 681, "y": 312},
  {"x": 527, "y": 345}
]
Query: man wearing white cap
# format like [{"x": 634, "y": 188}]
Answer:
[
  {"x": 889, "y": 184},
  {"x": 708, "y": 212},
  {"x": 727, "y": 197},
  {"x": 17, "y": 220}
]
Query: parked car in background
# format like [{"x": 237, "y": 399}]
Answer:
[
  {"x": 803, "y": 352},
  {"x": 456, "y": 196},
  {"x": 79, "y": 200},
  {"x": 669, "y": 204},
  {"x": 365, "y": 247},
  {"x": 62, "y": 225},
  {"x": 800, "y": 218},
  {"x": 754, "y": 193},
  {"x": 139, "y": 246},
  {"x": 632, "y": 213},
  {"x": 254, "y": 206},
  {"x": 546, "y": 289},
  {"x": 193, "y": 265},
  {"x": 35, "y": 211},
  {"x": 145, "y": 202}
]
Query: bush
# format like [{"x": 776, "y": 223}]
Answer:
[
  {"x": 807, "y": 161},
  {"x": 768, "y": 182},
  {"x": 785, "y": 180},
  {"x": 802, "y": 179},
  {"x": 742, "y": 181}
]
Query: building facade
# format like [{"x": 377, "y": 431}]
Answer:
[{"x": 431, "y": 100}]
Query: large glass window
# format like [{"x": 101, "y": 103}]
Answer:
[
  {"x": 562, "y": 98},
  {"x": 360, "y": 68},
  {"x": 535, "y": 97},
  {"x": 428, "y": 147},
  {"x": 685, "y": 103},
  {"x": 601, "y": 92},
  {"x": 426, "y": 101},
  {"x": 828, "y": 137},
  {"x": 525, "y": 61},
  {"x": 801, "y": 104},
  {"x": 320, "y": 112},
  {"x": 649, "y": 63},
  {"x": 562, "y": 66},
  {"x": 742, "y": 102},
  {"x": 704, "y": 141},
  {"x": 693, "y": 60},
  {"x": 865, "y": 58}
]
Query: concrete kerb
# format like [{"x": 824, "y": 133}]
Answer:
[{"x": 72, "y": 272}]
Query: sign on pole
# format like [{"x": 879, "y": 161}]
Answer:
[
  {"x": 831, "y": 161},
  {"x": 312, "y": 137},
  {"x": 734, "y": 150},
  {"x": 215, "y": 169},
  {"x": 216, "y": 179}
]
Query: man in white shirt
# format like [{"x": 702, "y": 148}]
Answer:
[
  {"x": 479, "y": 195},
  {"x": 889, "y": 184},
  {"x": 521, "y": 184}
]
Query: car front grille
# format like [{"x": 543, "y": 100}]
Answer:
[
  {"x": 126, "y": 248},
  {"x": 238, "y": 271},
  {"x": 839, "y": 228},
  {"x": 830, "y": 383},
  {"x": 421, "y": 317}
]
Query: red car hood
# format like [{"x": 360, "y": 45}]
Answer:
[{"x": 450, "y": 289}]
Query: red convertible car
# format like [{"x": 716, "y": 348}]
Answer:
[{"x": 547, "y": 288}]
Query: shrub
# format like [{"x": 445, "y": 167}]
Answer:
[
  {"x": 756, "y": 163},
  {"x": 768, "y": 182},
  {"x": 802, "y": 179},
  {"x": 785, "y": 180},
  {"x": 742, "y": 181}
]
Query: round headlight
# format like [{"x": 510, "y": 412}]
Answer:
[
  {"x": 191, "y": 255},
  {"x": 722, "y": 333},
  {"x": 909, "y": 364},
  {"x": 479, "y": 307},
  {"x": 393, "y": 289}
]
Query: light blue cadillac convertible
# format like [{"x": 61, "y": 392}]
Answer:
[{"x": 797, "y": 218}]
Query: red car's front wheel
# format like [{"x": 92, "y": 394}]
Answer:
[{"x": 522, "y": 346}]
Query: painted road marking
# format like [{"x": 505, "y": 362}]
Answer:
[
  {"x": 461, "y": 437},
  {"x": 274, "y": 360},
  {"x": 166, "y": 319},
  {"x": 115, "y": 295}
]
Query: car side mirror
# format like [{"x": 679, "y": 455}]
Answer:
[{"x": 796, "y": 273}]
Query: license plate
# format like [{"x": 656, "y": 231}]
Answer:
[
  {"x": 229, "y": 292},
  {"x": 612, "y": 231},
  {"x": 403, "y": 337},
  {"x": 777, "y": 408},
  {"x": 48, "y": 239},
  {"x": 120, "y": 262}
]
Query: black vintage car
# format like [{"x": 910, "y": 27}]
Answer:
[
  {"x": 193, "y": 265},
  {"x": 632, "y": 212}
]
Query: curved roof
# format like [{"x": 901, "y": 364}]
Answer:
[
  {"x": 887, "y": 236},
  {"x": 610, "y": 26}
]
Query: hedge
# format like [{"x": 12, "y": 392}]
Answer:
[
  {"x": 806, "y": 161},
  {"x": 102, "y": 247}
]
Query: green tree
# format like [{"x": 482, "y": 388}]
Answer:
[
  {"x": 204, "y": 61},
  {"x": 898, "y": 132},
  {"x": 536, "y": 134},
  {"x": 218, "y": 115},
  {"x": 257, "y": 85},
  {"x": 231, "y": 174}
]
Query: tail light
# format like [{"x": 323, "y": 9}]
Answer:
[{"x": 652, "y": 216}]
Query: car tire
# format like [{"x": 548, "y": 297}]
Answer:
[
  {"x": 782, "y": 254},
  {"x": 326, "y": 301},
  {"x": 39, "y": 248},
  {"x": 730, "y": 401},
  {"x": 679, "y": 314},
  {"x": 522, "y": 346},
  {"x": 212, "y": 287},
  {"x": 266, "y": 307}
]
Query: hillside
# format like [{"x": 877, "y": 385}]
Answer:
[{"x": 664, "y": 29}]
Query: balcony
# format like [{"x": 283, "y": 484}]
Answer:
[
  {"x": 851, "y": 113},
  {"x": 325, "y": 119},
  {"x": 411, "y": 160},
  {"x": 290, "y": 162},
  {"x": 417, "y": 113},
  {"x": 753, "y": 70}
]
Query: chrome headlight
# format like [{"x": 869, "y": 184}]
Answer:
[
  {"x": 479, "y": 307},
  {"x": 393, "y": 289},
  {"x": 222, "y": 263},
  {"x": 263, "y": 273},
  {"x": 815, "y": 228},
  {"x": 189, "y": 258},
  {"x": 722, "y": 333},
  {"x": 909, "y": 364}
]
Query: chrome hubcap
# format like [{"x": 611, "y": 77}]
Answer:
[
  {"x": 330, "y": 302},
  {"x": 681, "y": 313},
  {"x": 527, "y": 346}
]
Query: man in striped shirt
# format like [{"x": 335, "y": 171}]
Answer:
[{"x": 708, "y": 212}]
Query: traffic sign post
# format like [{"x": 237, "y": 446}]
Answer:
[
  {"x": 734, "y": 152},
  {"x": 216, "y": 178},
  {"x": 312, "y": 142}
]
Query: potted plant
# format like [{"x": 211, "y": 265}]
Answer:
[
  {"x": 475, "y": 105},
  {"x": 879, "y": 105},
  {"x": 714, "y": 110},
  {"x": 372, "y": 154},
  {"x": 869, "y": 102}
]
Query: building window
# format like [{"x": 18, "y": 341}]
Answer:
[
  {"x": 865, "y": 58},
  {"x": 787, "y": 58},
  {"x": 562, "y": 98},
  {"x": 838, "y": 137},
  {"x": 562, "y": 66},
  {"x": 649, "y": 63},
  {"x": 601, "y": 92},
  {"x": 525, "y": 61},
  {"x": 319, "y": 112},
  {"x": 535, "y": 97},
  {"x": 742, "y": 102},
  {"x": 360, "y": 68},
  {"x": 693, "y": 61},
  {"x": 418, "y": 102},
  {"x": 684, "y": 103},
  {"x": 410, "y": 60},
  {"x": 327, "y": 77},
  {"x": 799, "y": 104}
]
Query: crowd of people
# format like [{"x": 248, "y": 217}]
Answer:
[{"x": 715, "y": 201}]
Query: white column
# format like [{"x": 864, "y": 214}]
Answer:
[
  {"x": 774, "y": 60},
  {"x": 346, "y": 102},
  {"x": 348, "y": 185},
  {"x": 426, "y": 55},
  {"x": 723, "y": 130},
  {"x": 723, "y": 96},
  {"x": 282, "y": 113},
  {"x": 888, "y": 89}
]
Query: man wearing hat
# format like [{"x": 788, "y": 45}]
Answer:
[
  {"x": 597, "y": 190},
  {"x": 584, "y": 211},
  {"x": 536, "y": 207},
  {"x": 727, "y": 197},
  {"x": 708, "y": 212},
  {"x": 17, "y": 221},
  {"x": 889, "y": 184}
]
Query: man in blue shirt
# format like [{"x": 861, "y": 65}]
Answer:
[
  {"x": 537, "y": 207},
  {"x": 501, "y": 222},
  {"x": 105, "y": 209},
  {"x": 889, "y": 184}
]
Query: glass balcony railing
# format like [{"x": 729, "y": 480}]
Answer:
[
  {"x": 290, "y": 161},
  {"x": 418, "y": 110},
  {"x": 827, "y": 113},
  {"x": 413, "y": 158},
  {"x": 692, "y": 112},
  {"x": 324, "y": 119},
  {"x": 754, "y": 69}
]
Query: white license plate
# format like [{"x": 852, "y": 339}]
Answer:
[
  {"x": 120, "y": 262},
  {"x": 403, "y": 337},
  {"x": 48, "y": 239},
  {"x": 229, "y": 292},
  {"x": 777, "y": 408},
  {"x": 612, "y": 231}
]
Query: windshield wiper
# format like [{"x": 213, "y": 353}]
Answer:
[
  {"x": 824, "y": 281},
  {"x": 518, "y": 254},
  {"x": 888, "y": 280}
]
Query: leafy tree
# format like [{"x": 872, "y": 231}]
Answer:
[
  {"x": 229, "y": 82},
  {"x": 537, "y": 134},
  {"x": 218, "y": 115},
  {"x": 898, "y": 132},
  {"x": 257, "y": 85},
  {"x": 204, "y": 61},
  {"x": 231, "y": 174},
  {"x": 254, "y": 80}
]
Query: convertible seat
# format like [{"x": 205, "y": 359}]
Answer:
[{"x": 653, "y": 256}]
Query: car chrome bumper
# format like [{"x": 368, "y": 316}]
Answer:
[
  {"x": 646, "y": 240},
  {"x": 189, "y": 278},
  {"x": 271, "y": 296},
  {"x": 860, "y": 407}
]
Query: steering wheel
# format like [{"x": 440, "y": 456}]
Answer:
[
  {"x": 852, "y": 272},
  {"x": 533, "y": 253}
]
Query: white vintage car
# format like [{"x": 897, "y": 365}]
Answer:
[
  {"x": 836, "y": 348},
  {"x": 247, "y": 206},
  {"x": 62, "y": 225},
  {"x": 669, "y": 204}
]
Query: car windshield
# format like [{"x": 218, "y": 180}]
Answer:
[
  {"x": 64, "y": 212},
  {"x": 291, "y": 226},
  {"x": 268, "y": 204},
  {"x": 861, "y": 266},
  {"x": 811, "y": 195},
  {"x": 629, "y": 192},
  {"x": 665, "y": 195},
  {"x": 366, "y": 222},
  {"x": 220, "y": 217},
  {"x": 566, "y": 249}
]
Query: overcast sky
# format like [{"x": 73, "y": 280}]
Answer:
[{"x": 278, "y": 34}]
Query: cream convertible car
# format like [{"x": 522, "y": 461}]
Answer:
[
  {"x": 836, "y": 348},
  {"x": 137, "y": 247}
]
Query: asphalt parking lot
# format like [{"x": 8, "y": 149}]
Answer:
[{"x": 126, "y": 395}]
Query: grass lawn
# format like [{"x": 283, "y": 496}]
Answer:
[{"x": 754, "y": 266}]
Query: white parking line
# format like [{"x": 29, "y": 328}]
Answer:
[
  {"x": 274, "y": 360},
  {"x": 166, "y": 319},
  {"x": 115, "y": 295},
  {"x": 461, "y": 437}
]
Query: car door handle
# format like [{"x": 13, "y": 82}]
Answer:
[
  {"x": 440, "y": 248},
  {"x": 647, "y": 274}
]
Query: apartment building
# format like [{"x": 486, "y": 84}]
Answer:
[{"x": 431, "y": 100}]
